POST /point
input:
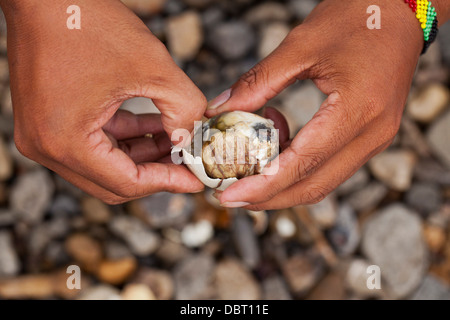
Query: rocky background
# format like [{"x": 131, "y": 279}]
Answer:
[{"x": 394, "y": 212}]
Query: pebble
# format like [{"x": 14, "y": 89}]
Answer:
[
  {"x": 284, "y": 224},
  {"x": 6, "y": 163},
  {"x": 431, "y": 171},
  {"x": 426, "y": 105},
  {"x": 64, "y": 205},
  {"x": 141, "y": 240},
  {"x": 116, "y": 272},
  {"x": 20, "y": 160},
  {"x": 9, "y": 261},
  {"x": 27, "y": 287},
  {"x": 193, "y": 278},
  {"x": 31, "y": 194},
  {"x": 356, "y": 182},
  {"x": 136, "y": 291},
  {"x": 245, "y": 239},
  {"x": 7, "y": 218},
  {"x": 199, "y": 4},
  {"x": 232, "y": 40},
  {"x": 345, "y": 234},
  {"x": 185, "y": 35},
  {"x": 271, "y": 37},
  {"x": 438, "y": 137},
  {"x": 331, "y": 287},
  {"x": 356, "y": 280},
  {"x": 324, "y": 213},
  {"x": 85, "y": 250},
  {"x": 368, "y": 197},
  {"x": 394, "y": 168},
  {"x": 392, "y": 239},
  {"x": 163, "y": 210},
  {"x": 268, "y": 12},
  {"x": 444, "y": 41},
  {"x": 212, "y": 16},
  {"x": 274, "y": 288},
  {"x": 160, "y": 282},
  {"x": 170, "y": 252},
  {"x": 424, "y": 197},
  {"x": 95, "y": 211},
  {"x": 100, "y": 292},
  {"x": 432, "y": 289},
  {"x": 302, "y": 272},
  {"x": 435, "y": 237},
  {"x": 197, "y": 234},
  {"x": 300, "y": 105},
  {"x": 234, "y": 281},
  {"x": 145, "y": 7},
  {"x": 115, "y": 250}
]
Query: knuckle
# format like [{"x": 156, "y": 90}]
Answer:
[
  {"x": 372, "y": 110},
  {"x": 307, "y": 164},
  {"x": 255, "y": 76},
  {"x": 113, "y": 200},
  {"x": 23, "y": 145}
]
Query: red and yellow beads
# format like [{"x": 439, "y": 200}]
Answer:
[{"x": 426, "y": 14}]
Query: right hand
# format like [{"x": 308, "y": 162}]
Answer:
[{"x": 68, "y": 84}]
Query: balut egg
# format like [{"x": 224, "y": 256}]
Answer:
[{"x": 233, "y": 145}]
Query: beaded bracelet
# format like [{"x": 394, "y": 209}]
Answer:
[{"x": 426, "y": 14}]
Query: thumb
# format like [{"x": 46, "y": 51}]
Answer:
[{"x": 264, "y": 81}]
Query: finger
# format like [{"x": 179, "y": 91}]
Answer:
[
  {"x": 280, "y": 123},
  {"x": 181, "y": 103},
  {"x": 126, "y": 125},
  {"x": 146, "y": 149},
  {"x": 115, "y": 171},
  {"x": 317, "y": 186},
  {"x": 264, "y": 81},
  {"x": 332, "y": 127}
]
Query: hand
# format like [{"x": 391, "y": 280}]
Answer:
[
  {"x": 68, "y": 84},
  {"x": 366, "y": 75}
]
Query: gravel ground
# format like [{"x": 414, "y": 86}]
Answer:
[{"x": 393, "y": 213}]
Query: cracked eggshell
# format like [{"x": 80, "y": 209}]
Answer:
[
  {"x": 197, "y": 168},
  {"x": 196, "y": 165}
]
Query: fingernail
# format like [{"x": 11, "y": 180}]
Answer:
[
  {"x": 219, "y": 100},
  {"x": 234, "y": 204}
]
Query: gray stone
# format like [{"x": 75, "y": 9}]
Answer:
[
  {"x": 170, "y": 253},
  {"x": 115, "y": 250},
  {"x": 324, "y": 212},
  {"x": 64, "y": 204},
  {"x": 274, "y": 288},
  {"x": 424, "y": 197},
  {"x": 431, "y": 171},
  {"x": 438, "y": 137},
  {"x": 9, "y": 261},
  {"x": 141, "y": 240},
  {"x": 345, "y": 234},
  {"x": 7, "y": 217},
  {"x": 394, "y": 168},
  {"x": 31, "y": 194},
  {"x": 368, "y": 197},
  {"x": 356, "y": 280},
  {"x": 444, "y": 41},
  {"x": 212, "y": 16},
  {"x": 245, "y": 239},
  {"x": 235, "y": 282},
  {"x": 193, "y": 278},
  {"x": 432, "y": 289},
  {"x": 197, "y": 233},
  {"x": 428, "y": 103},
  {"x": 232, "y": 40},
  {"x": 164, "y": 210},
  {"x": 392, "y": 239},
  {"x": 354, "y": 183},
  {"x": 302, "y": 8}
]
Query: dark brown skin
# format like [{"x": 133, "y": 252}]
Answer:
[
  {"x": 366, "y": 74},
  {"x": 68, "y": 84}
]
